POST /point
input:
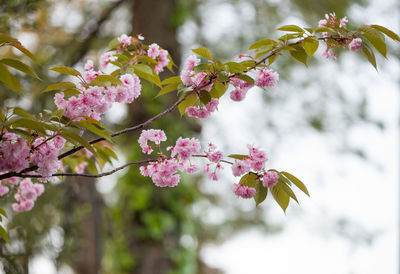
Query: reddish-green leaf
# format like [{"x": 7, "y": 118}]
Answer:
[
  {"x": 296, "y": 182},
  {"x": 311, "y": 46},
  {"x": 386, "y": 31},
  {"x": 280, "y": 196},
  {"x": 292, "y": 28},
  {"x": 14, "y": 63}
]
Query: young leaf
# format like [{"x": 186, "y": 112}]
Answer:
[
  {"x": 3, "y": 212},
  {"x": 238, "y": 156},
  {"x": 261, "y": 192},
  {"x": 370, "y": 55},
  {"x": 386, "y": 31},
  {"x": 299, "y": 54},
  {"x": 264, "y": 42},
  {"x": 167, "y": 89},
  {"x": 375, "y": 38},
  {"x": 107, "y": 78},
  {"x": 292, "y": 28},
  {"x": 311, "y": 46},
  {"x": 280, "y": 196},
  {"x": 6, "y": 39},
  {"x": 17, "y": 44},
  {"x": 66, "y": 70},
  {"x": 171, "y": 80},
  {"x": 246, "y": 78},
  {"x": 288, "y": 190},
  {"x": 204, "y": 52},
  {"x": 22, "y": 112},
  {"x": 95, "y": 129},
  {"x": 296, "y": 181},
  {"x": 19, "y": 66},
  {"x": 76, "y": 139},
  {"x": 146, "y": 72},
  {"x": 188, "y": 102},
  {"x": 3, "y": 234},
  {"x": 9, "y": 80},
  {"x": 205, "y": 97},
  {"x": 60, "y": 86},
  {"x": 324, "y": 29},
  {"x": 248, "y": 180}
]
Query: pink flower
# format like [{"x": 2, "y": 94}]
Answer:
[
  {"x": 243, "y": 191},
  {"x": 266, "y": 78},
  {"x": 355, "y": 44},
  {"x": 238, "y": 95},
  {"x": 154, "y": 135},
  {"x": 106, "y": 58},
  {"x": 240, "y": 167},
  {"x": 3, "y": 189},
  {"x": 81, "y": 167},
  {"x": 26, "y": 195},
  {"x": 185, "y": 148},
  {"x": 125, "y": 40},
  {"x": 203, "y": 112},
  {"x": 215, "y": 157},
  {"x": 270, "y": 178},
  {"x": 154, "y": 51},
  {"x": 343, "y": 21}
]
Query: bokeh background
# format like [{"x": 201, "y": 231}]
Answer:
[{"x": 334, "y": 124}]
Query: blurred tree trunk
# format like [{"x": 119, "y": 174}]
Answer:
[
  {"x": 88, "y": 257},
  {"x": 152, "y": 20}
]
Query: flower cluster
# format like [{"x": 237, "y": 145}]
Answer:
[
  {"x": 95, "y": 100},
  {"x": 330, "y": 21},
  {"x": 154, "y": 135},
  {"x": 214, "y": 156},
  {"x": 160, "y": 55},
  {"x": 14, "y": 153},
  {"x": 355, "y": 44},
  {"x": 203, "y": 112},
  {"x": 27, "y": 195},
  {"x": 164, "y": 171},
  {"x": 266, "y": 78},
  {"x": 254, "y": 162},
  {"x": 241, "y": 88},
  {"x": 244, "y": 191}
]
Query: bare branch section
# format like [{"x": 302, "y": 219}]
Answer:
[{"x": 90, "y": 175}]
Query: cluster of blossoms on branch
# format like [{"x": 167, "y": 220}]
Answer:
[
  {"x": 164, "y": 170},
  {"x": 32, "y": 146}
]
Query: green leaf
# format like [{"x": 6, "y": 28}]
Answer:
[
  {"x": 71, "y": 92},
  {"x": 246, "y": 78},
  {"x": 292, "y": 28},
  {"x": 299, "y": 54},
  {"x": 19, "y": 66},
  {"x": 106, "y": 78},
  {"x": 9, "y": 80},
  {"x": 60, "y": 86},
  {"x": 205, "y": 97},
  {"x": 91, "y": 167},
  {"x": 375, "y": 38},
  {"x": 168, "y": 89},
  {"x": 201, "y": 68},
  {"x": 2, "y": 115},
  {"x": 369, "y": 54},
  {"x": 261, "y": 43},
  {"x": 110, "y": 152},
  {"x": 287, "y": 189},
  {"x": 17, "y": 44},
  {"x": 6, "y": 39},
  {"x": 296, "y": 181},
  {"x": 3, "y": 212},
  {"x": 113, "y": 43},
  {"x": 29, "y": 123},
  {"x": 289, "y": 36},
  {"x": 280, "y": 196},
  {"x": 188, "y": 102},
  {"x": 92, "y": 127},
  {"x": 146, "y": 59},
  {"x": 261, "y": 192},
  {"x": 238, "y": 156},
  {"x": 248, "y": 180},
  {"x": 386, "y": 31},
  {"x": 234, "y": 67},
  {"x": 218, "y": 90},
  {"x": 171, "y": 80},
  {"x": 66, "y": 70},
  {"x": 146, "y": 72},
  {"x": 3, "y": 234},
  {"x": 311, "y": 46},
  {"x": 273, "y": 58},
  {"x": 204, "y": 52},
  {"x": 310, "y": 30},
  {"x": 324, "y": 29},
  {"x": 76, "y": 139},
  {"x": 22, "y": 112}
]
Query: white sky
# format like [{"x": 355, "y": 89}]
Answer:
[{"x": 341, "y": 186}]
